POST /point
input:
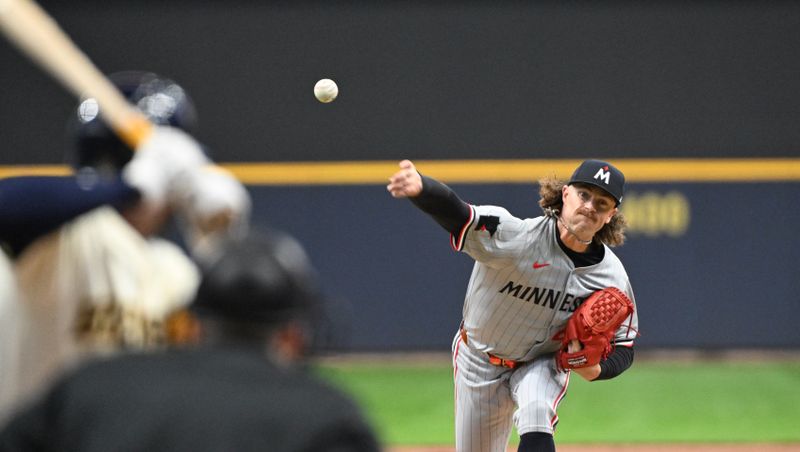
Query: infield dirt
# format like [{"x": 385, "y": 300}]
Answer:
[{"x": 640, "y": 448}]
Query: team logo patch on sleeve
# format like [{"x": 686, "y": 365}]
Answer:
[{"x": 488, "y": 223}]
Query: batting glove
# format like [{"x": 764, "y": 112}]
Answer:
[
  {"x": 217, "y": 209},
  {"x": 163, "y": 166}
]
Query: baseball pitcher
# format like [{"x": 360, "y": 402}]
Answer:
[{"x": 547, "y": 297}]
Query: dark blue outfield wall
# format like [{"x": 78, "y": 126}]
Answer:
[{"x": 712, "y": 265}]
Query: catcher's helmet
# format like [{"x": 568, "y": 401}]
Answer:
[
  {"x": 263, "y": 279},
  {"x": 162, "y": 100}
]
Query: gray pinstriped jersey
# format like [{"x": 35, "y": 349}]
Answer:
[{"x": 524, "y": 287}]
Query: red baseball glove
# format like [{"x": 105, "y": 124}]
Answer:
[{"x": 593, "y": 324}]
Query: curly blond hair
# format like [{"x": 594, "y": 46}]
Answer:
[{"x": 612, "y": 234}]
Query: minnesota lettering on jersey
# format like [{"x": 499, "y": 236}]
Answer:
[{"x": 543, "y": 296}]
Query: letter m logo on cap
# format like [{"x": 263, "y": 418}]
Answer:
[{"x": 603, "y": 174}]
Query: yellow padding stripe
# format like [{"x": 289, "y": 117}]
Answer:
[
  {"x": 33, "y": 170},
  {"x": 489, "y": 171}
]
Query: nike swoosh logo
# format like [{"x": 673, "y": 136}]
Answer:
[{"x": 537, "y": 265}]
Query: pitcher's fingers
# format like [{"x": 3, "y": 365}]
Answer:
[{"x": 397, "y": 192}]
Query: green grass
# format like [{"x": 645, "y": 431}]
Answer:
[
  {"x": 652, "y": 402},
  {"x": 719, "y": 402},
  {"x": 407, "y": 404}
]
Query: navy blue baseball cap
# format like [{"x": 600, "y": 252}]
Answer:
[{"x": 603, "y": 175}]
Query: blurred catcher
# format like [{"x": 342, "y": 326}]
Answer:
[
  {"x": 241, "y": 388},
  {"x": 91, "y": 275}
]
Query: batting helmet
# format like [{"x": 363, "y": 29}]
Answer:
[
  {"x": 162, "y": 100},
  {"x": 262, "y": 279}
]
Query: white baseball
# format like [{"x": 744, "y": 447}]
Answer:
[{"x": 326, "y": 90}]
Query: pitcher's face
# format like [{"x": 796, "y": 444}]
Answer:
[{"x": 586, "y": 209}]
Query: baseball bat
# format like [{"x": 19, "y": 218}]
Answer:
[{"x": 39, "y": 37}]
